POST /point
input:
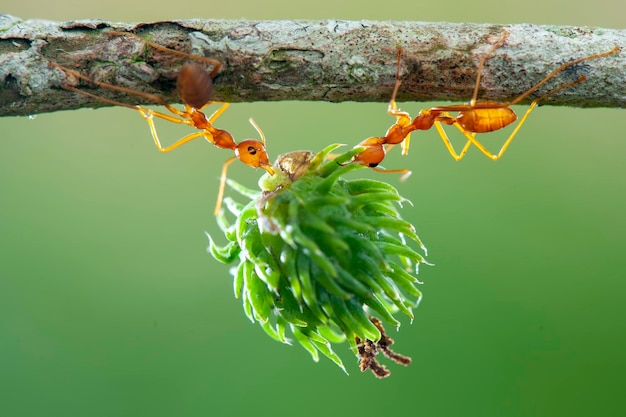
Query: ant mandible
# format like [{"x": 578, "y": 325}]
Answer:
[
  {"x": 488, "y": 116},
  {"x": 194, "y": 87}
]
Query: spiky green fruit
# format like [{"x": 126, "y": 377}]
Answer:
[{"x": 319, "y": 254}]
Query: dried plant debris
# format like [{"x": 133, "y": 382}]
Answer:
[
  {"x": 320, "y": 255},
  {"x": 369, "y": 349}
]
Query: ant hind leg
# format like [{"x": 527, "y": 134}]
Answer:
[
  {"x": 448, "y": 144},
  {"x": 217, "y": 65}
]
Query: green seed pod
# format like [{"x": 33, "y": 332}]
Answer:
[{"x": 319, "y": 254}]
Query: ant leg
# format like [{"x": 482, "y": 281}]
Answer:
[
  {"x": 153, "y": 97},
  {"x": 471, "y": 137},
  {"x": 508, "y": 141},
  {"x": 520, "y": 123},
  {"x": 148, "y": 114},
  {"x": 217, "y": 65},
  {"x": 404, "y": 147},
  {"x": 405, "y": 172},
  {"x": 102, "y": 99},
  {"x": 471, "y": 140},
  {"x": 220, "y": 193},
  {"x": 403, "y": 119},
  {"x": 185, "y": 114},
  {"x": 157, "y": 99},
  {"x": 615, "y": 50},
  {"x": 467, "y": 144},
  {"x": 217, "y": 113},
  {"x": 144, "y": 111},
  {"x": 446, "y": 141},
  {"x": 449, "y": 120},
  {"x": 481, "y": 64}
]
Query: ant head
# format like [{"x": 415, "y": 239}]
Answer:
[
  {"x": 373, "y": 154},
  {"x": 252, "y": 153},
  {"x": 194, "y": 85}
]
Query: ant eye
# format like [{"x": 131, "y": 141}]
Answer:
[
  {"x": 372, "y": 165},
  {"x": 251, "y": 150}
]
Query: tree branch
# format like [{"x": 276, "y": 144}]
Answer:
[{"x": 305, "y": 60}]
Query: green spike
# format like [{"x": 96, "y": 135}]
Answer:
[
  {"x": 225, "y": 254},
  {"x": 239, "y": 280},
  {"x": 306, "y": 343},
  {"x": 370, "y": 331},
  {"x": 377, "y": 305},
  {"x": 327, "y": 351}
]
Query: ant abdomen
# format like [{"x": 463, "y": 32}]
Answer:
[
  {"x": 194, "y": 86},
  {"x": 484, "y": 120}
]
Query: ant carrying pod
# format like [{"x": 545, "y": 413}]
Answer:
[{"x": 194, "y": 86}]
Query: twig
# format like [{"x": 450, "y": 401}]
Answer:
[{"x": 305, "y": 60}]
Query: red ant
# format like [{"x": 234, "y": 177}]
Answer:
[
  {"x": 475, "y": 117},
  {"x": 194, "y": 86}
]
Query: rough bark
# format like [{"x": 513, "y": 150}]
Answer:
[{"x": 305, "y": 60}]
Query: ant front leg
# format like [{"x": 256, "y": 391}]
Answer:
[
  {"x": 222, "y": 187},
  {"x": 405, "y": 172},
  {"x": 398, "y": 133}
]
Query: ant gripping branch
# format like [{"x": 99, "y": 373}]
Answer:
[
  {"x": 194, "y": 87},
  {"x": 475, "y": 117},
  {"x": 375, "y": 151}
]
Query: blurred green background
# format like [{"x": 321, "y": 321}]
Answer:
[{"x": 110, "y": 306}]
